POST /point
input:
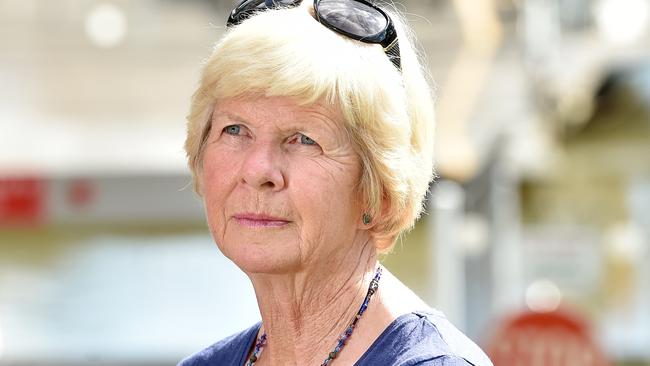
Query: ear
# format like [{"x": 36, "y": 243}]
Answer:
[{"x": 367, "y": 221}]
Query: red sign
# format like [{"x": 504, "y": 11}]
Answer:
[
  {"x": 544, "y": 339},
  {"x": 22, "y": 201}
]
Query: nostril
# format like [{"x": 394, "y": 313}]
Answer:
[
  {"x": 268, "y": 184},
  {"x": 264, "y": 178}
]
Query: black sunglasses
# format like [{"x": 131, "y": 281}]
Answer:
[{"x": 356, "y": 19}]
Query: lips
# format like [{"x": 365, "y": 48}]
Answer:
[{"x": 260, "y": 220}]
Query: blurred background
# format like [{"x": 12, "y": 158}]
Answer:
[{"x": 536, "y": 242}]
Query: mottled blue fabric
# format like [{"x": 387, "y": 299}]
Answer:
[{"x": 424, "y": 338}]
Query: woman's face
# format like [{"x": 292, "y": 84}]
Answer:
[{"x": 280, "y": 184}]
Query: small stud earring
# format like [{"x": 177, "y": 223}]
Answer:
[{"x": 366, "y": 219}]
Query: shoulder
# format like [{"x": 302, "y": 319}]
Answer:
[
  {"x": 457, "y": 342},
  {"x": 424, "y": 338},
  {"x": 227, "y": 351}
]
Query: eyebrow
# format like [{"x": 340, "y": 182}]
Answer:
[
  {"x": 319, "y": 123},
  {"x": 286, "y": 125},
  {"x": 231, "y": 116}
]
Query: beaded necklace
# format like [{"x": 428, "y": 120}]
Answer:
[{"x": 374, "y": 285}]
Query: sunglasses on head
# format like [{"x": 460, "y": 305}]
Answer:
[{"x": 356, "y": 19}]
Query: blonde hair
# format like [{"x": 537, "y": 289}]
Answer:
[{"x": 389, "y": 114}]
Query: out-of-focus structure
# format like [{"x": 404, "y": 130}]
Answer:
[{"x": 543, "y": 153}]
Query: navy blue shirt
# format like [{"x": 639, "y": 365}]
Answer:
[{"x": 423, "y": 338}]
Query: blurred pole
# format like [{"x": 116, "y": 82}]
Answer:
[
  {"x": 507, "y": 270},
  {"x": 626, "y": 324},
  {"x": 448, "y": 275}
]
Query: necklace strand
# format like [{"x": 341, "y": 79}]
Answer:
[{"x": 342, "y": 340}]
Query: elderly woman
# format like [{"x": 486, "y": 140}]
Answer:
[{"x": 310, "y": 140}]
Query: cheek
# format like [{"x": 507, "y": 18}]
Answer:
[
  {"x": 325, "y": 197},
  {"x": 216, "y": 182},
  {"x": 218, "y": 171}
]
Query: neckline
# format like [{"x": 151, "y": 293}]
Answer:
[
  {"x": 342, "y": 339},
  {"x": 252, "y": 338},
  {"x": 389, "y": 329}
]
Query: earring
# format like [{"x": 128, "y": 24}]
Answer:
[{"x": 366, "y": 219}]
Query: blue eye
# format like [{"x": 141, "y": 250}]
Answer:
[
  {"x": 232, "y": 129},
  {"x": 306, "y": 140}
]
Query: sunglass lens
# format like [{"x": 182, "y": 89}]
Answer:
[
  {"x": 280, "y": 3},
  {"x": 352, "y": 17},
  {"x": 246, "y": 8},
  {"x": 247, "y": 5},
  {"x": 290, "y": 2}
]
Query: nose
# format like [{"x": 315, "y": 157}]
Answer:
[{"x": 262, "y": 168}]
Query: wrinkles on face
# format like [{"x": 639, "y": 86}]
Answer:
[{"x": 256, "y": 141}]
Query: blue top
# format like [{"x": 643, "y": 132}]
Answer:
[{"x": 422, "y": 338}]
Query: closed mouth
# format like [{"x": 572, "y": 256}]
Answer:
[{"x": 260, "y": 220}]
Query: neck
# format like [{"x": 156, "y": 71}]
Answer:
[{"x": 304, "y": 312}]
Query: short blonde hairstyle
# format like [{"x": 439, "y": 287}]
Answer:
[{"x": 388, "y": 114}]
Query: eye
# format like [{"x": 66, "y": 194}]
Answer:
[
  {"x": 306, "y": 140},
  {"x": 232, "y": 129}
]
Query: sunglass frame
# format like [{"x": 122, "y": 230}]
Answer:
[{"x": 387, "y": 37}]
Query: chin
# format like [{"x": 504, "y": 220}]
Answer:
[
  {"x": 261, "y": 258},
  {"x": 272, "y": 251}
]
